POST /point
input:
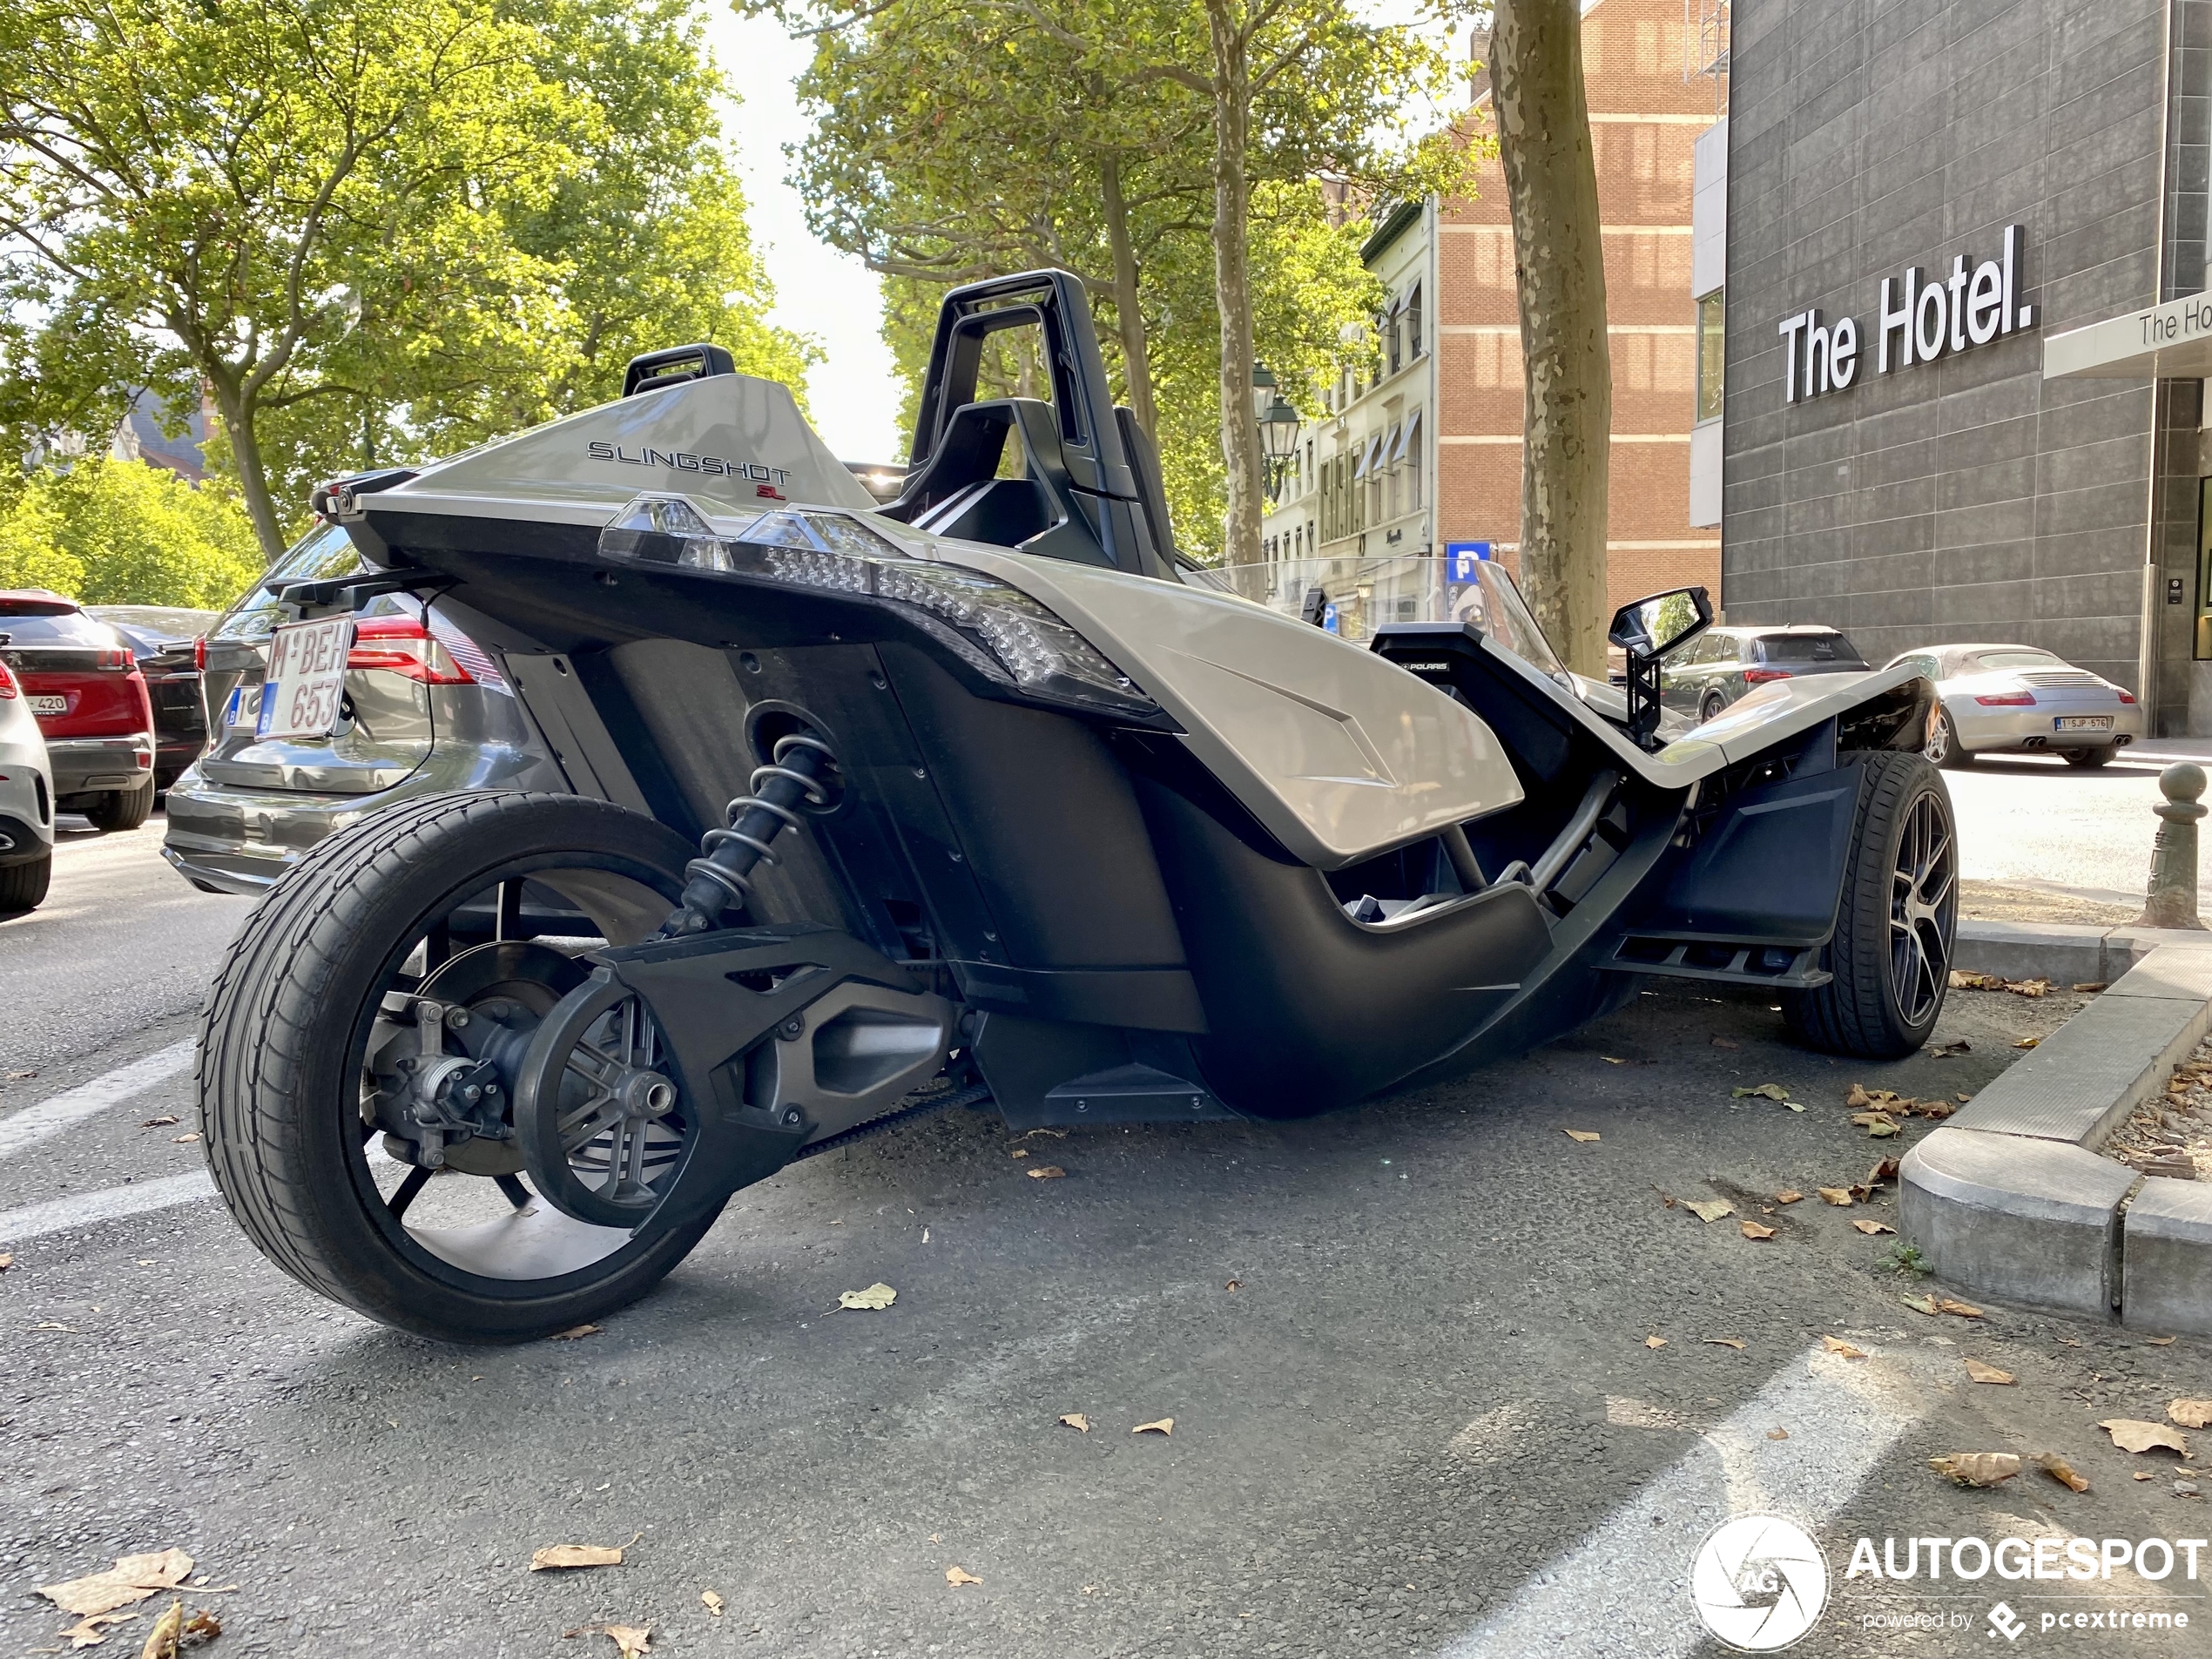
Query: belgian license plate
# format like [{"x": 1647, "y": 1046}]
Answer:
[
  {"x": 304, "y": 684},
  {"x": 2081, "y": 723},
  {"x": 48, "y": 704}
]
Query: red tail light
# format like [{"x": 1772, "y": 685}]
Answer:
[
  {"x": 115, "y": 659},
  {"x": 2127, "y": 696},
  {"x": 1762, "y": 676},
  {"x": 2009, "y": 700},
  {"x": 199, "y": 654},
  {"x": 402, "y": 645},
  {"x": 7, "y": 682}
]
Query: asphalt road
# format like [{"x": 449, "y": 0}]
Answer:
[
  {"x": 2023, "y": 818},
  {"x": 1427, "y": 1420}
]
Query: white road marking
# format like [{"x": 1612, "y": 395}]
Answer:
[
  {"x": 57, "y": 1112},
  {"x": 107, "y": 1205},
  {"x": 1623, "y": 1591}
]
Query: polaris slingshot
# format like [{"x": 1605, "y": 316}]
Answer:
[{"x": 969, "y": 797}]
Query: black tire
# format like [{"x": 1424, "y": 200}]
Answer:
[
  {"x": 285, "y": 1034},
  {"x": 23, "y": 886},
  {"x": 1897, "y": 920},
  {"x": 2089, "y": 760},
  {"x": 122, "y": 809},
  {"x": 1711, "y": 708},
  {"x": 1944, "y": 748}
]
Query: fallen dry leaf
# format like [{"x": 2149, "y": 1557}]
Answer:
[
  {"x": 2092, "y": 986},
  {"x": 1045, "y": 1172},
  {"x": 876, "y": 1297},
  {"x": 1726, "y": 1042},
  {"x": 1885, "y": 1171},
  {"x": 2191, "y": 1413},
  {"x": 6, "y": 1262},
  {"x": 576, "y": 1333},
  {"x": 1837, "y": 1345},
  {"x": 565, "y": 1556},
  {"x": 1611, "y": 1060},
  {"x": 1962, "y": 1310},
  {"x": 1760, "y": 1091},
  {"x": 1709, "y": 1209},
  {"x": 1985, "y": 1374},
  {"x": 1858, "y": 1098},
  {"x": 163, "y": 1122},
  {"x": 1926, "y": 1305},
  {"x": 1777, "y": 1433},
  {"x": 631, "y": 1640},
  {"x": 184, "y": 1140},
  {"x": 1951, "y": 1050},
  {"x": 91, "y": 1630},
  {"x": 1788, "y": 1195},
  {"x": 1840, "y": 1196},
  {"x": 1871, "y": 1228},
  {"x": 1878, "y": 1125},
  {"x": 2060, "y": 1470},
  {"x": 2145, "y": 1474},
  {"x": 1736, "y": 1343},
  {"x": 2133, "y": 1434},
  {"x": 958, "y": 1575},
  {"x": 1234, "y": 1285},
  {"x": 2160, "y": 1342},
  {"x": 133, "y": 1579},
  {"x": 2028, "y": 1043},
  {"x": 161, "y": 1640},
  {"x": 713, "y": 1602},
  {"x": 1019, "y": 1152},
  {"x": 1752, "y": 1229},
  {"x": 1165, "y": 1425},
  {"x": 1076, "y": 1421},
  {"x": 1655, "y": 1342},
  {"x": 1584, "y": 1136},
  {"x": 1978, "y": 1468}
]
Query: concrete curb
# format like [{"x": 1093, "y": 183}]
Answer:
[
  {"x": 2009, "y": 1198},
  {"x": 2063, "y": 953}
]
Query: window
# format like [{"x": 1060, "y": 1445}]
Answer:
[
  {"x": 1807, "y": 648},
  {"x": 1393, "y": 340},
  {"x": 1711, "y": 339},
  {"x": 1414, "y": 339}
]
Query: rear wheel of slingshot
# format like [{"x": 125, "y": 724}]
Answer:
[
  {"x": 1897, "y": 920},
  {"x": 377, "y": 985}
]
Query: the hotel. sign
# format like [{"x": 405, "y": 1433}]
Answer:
[
  {"x": 2172, "y": 341},
  {"x": 1919, "y": 320}
]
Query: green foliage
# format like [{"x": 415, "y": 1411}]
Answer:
[
  {"x": 1902, "y": 1257},
  {"x": 123, "y": 532},
  {"x": 372, "y": 233},
  {"x": 1676, "y": 616},
  {"x": 956, "y": 140}
]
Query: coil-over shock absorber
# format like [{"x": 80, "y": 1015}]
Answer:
[{"x": 717, "y": 879}]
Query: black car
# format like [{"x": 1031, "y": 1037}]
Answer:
[
  {"x": 1723, "y": 664},
  {"x": 164, "y": 641}
]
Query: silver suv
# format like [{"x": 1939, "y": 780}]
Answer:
[{"x": 425, "y": 710}]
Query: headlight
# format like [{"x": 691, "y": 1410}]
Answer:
[{"x": 834, "y": 553}]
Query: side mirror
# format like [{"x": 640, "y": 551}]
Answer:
[
  {"x": 1647, "y": 630},
  {"x": 1654, "y": 626}
]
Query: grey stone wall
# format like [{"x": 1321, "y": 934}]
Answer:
[{"x": 1968, "y": 498}]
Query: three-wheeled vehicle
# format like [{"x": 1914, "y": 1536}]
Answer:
[{"x": 878, "y": 808}]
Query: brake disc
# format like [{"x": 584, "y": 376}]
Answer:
[{"x": 600, "y": 1119}]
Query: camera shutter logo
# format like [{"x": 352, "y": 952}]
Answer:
[{"x": 1759, "y": 1582}]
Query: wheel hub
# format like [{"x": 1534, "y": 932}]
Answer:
[{"x": 1924, "y": 896}]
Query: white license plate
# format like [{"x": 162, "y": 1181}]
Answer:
[
  {"x": 2081, "y": 723},
  {"x": 305, "y": 684},
  {"x": 48, "y": 704}
]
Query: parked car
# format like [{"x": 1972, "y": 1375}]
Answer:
[
  {"x": 1723, "y": 664},
  {"x": 26, "y": 800},
  {"x": 2021, "y": 699},
  {"x": 424, "y": 709},
  {"x": 83, "y": 685},
  {"x": 165, "y": 639}
]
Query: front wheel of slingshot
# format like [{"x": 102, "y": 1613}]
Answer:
[
  {"x": 1896, "y": 921},
  {"x": 354, "y": 1048}
]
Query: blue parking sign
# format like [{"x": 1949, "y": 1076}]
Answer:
[
  {"x": 1329, "y": 620},
  {"x": 1463, "y": 557}
]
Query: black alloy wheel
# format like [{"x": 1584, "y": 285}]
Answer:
[
  {"x": 1897, "y": 920},
  {"x": 409, "y": 958}
]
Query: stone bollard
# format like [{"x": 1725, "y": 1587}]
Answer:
[{"x": 2172, "y": 900}]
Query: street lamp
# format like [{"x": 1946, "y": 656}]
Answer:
[{"x": 1278, "y": 427}]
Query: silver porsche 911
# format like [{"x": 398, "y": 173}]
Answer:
[{"x": 2019, "y": 699}]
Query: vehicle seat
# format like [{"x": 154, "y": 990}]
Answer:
[{"x": 959, "y": 491}]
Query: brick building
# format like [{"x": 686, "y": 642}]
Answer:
[{"x": 1425, "y": 451}]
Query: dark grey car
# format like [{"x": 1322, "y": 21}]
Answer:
[
  {"x": 425, "y": 710},
  {"x": 1720, "y": 665}
]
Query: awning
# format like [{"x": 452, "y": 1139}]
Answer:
[
  {"x": 1375, "y": 452},
  {"x": 1406, "y": 435},
  {"x": 2172, "y": 341},
  {"x": 1387, "y": 453},
  {"x": 1360, "y": 463}
]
